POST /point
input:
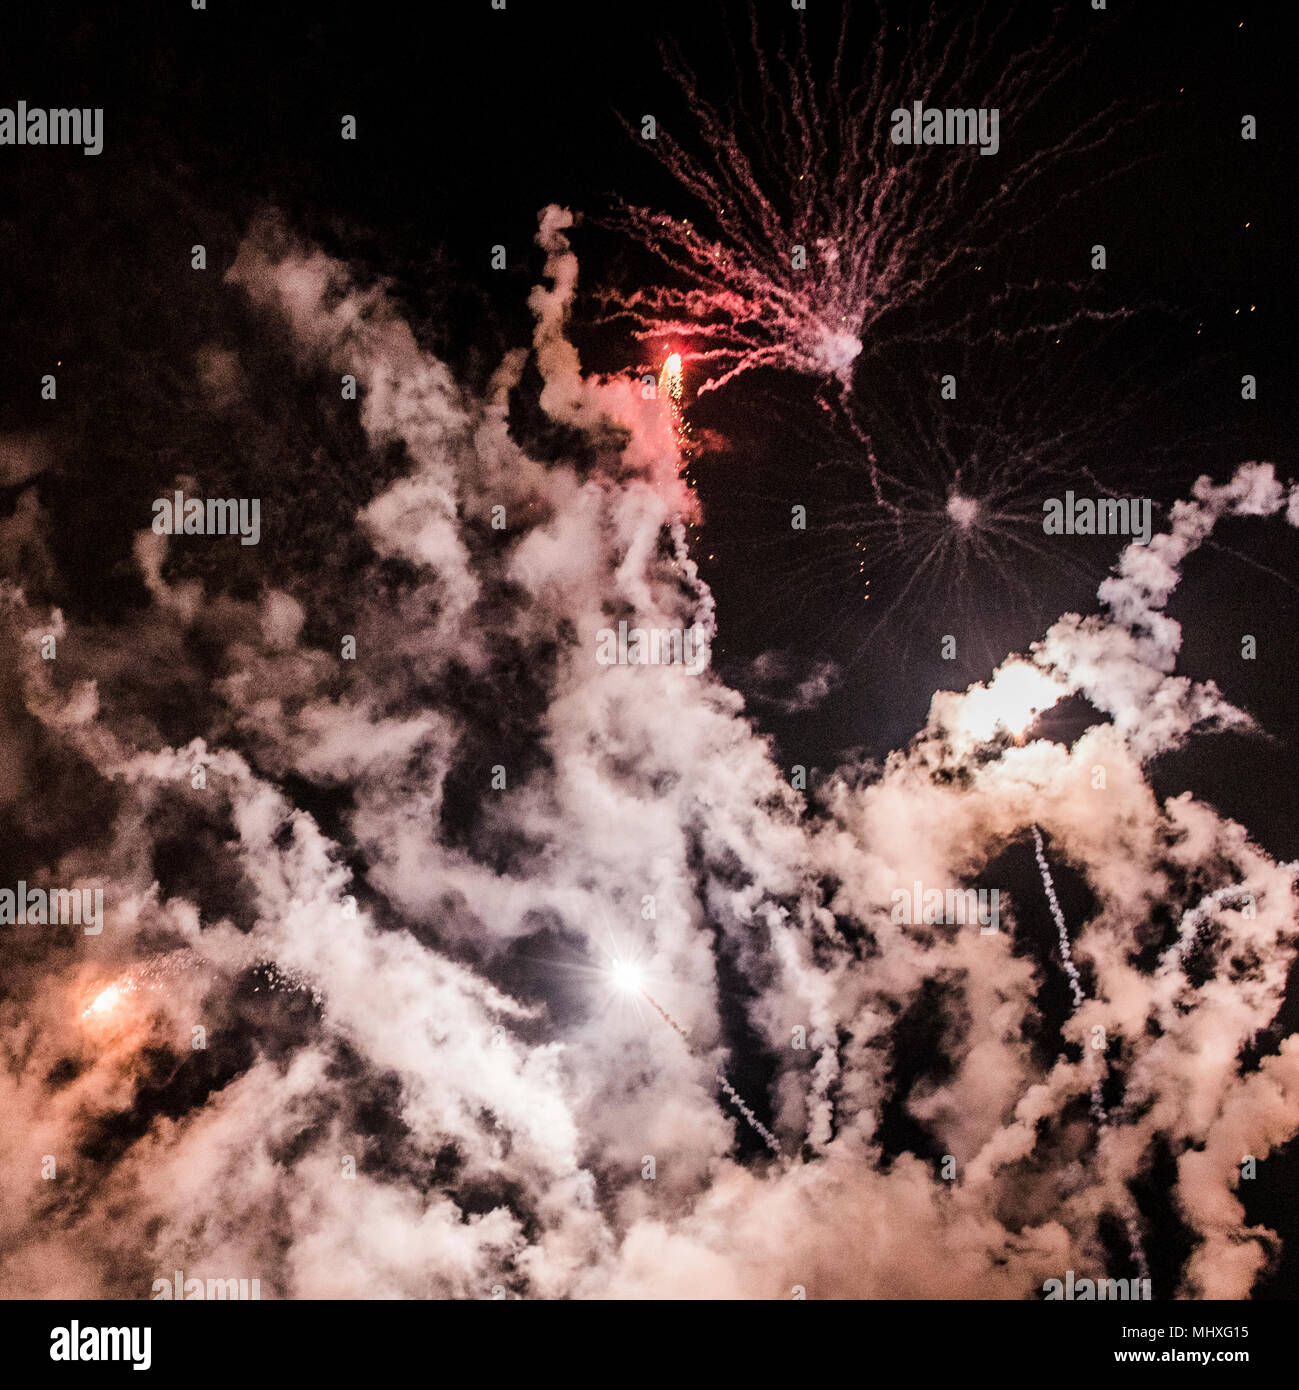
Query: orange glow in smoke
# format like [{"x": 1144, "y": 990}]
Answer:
[{"x": 103, "y": 1003}]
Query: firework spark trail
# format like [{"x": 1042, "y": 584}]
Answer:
[
  {"x": 152, "y": 973},
  {"x": 829, "y": 225},
  {"x": 961, "y": 485},
  {"x": 1099, "y": 1113},
  {"x": 759, "y": 1128},
  {"x": 929, "y": 511},
  {"x": 157, "y": 971},
  {"x": 929, "y": 541},
  {"x": 671, "y": 389}
]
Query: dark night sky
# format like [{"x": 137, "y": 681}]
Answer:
[
  {"x": 469, "y": 130},
  {"x": 470, "y": 126}
]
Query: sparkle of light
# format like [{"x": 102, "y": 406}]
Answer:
[
  {"x": 672, "y": 378},
  {"x": 627, "y": 976}
]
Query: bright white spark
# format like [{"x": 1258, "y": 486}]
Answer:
[
  {"x": 627, "y": 976},
  {"x": 670, "y": 379},
  {"x": 964, "y": 511}
]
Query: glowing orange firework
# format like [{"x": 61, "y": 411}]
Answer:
[
  {"x": 671, "y": 379},
  {"x": 104, "y": 1002},
  {"x": 110, "y": 1014}
]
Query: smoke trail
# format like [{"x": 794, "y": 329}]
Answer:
[
  {"x": 667, "y": 1018},
  {"x": 768, "y": 1138},
  {"x": 1099, "y": 1113},
  {"x": 759, "y": 1128},
  {"x": 1197, "y": 918},
  {"x": 1075, "y": 984}
]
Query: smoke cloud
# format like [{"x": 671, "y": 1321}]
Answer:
[{"x": 386, "y": 887}]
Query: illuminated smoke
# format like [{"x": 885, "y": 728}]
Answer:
[
  {"x": 737, "y": 1100},
  {"x": 654, "y": 782}
]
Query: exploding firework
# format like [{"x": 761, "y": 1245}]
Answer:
[
  {"x": 924, "y": 493},
  {"x": 816, "y": 221}
]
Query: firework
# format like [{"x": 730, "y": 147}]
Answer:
[
  {"x": 159, "y": 972},
  {"x": 106, "y": 1001},
  {"x": 926, "y": 510},
  {"x": 672, "y": 390},
  {"x": 815, "y": 222},
  {"x": 671, "y": 380}
]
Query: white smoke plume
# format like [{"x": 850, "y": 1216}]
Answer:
[{"x": 387, "y": 899}]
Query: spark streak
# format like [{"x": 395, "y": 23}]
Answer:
[
  {"x": 672, "y": 389},
  {"x": 932, "y": 509}
]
